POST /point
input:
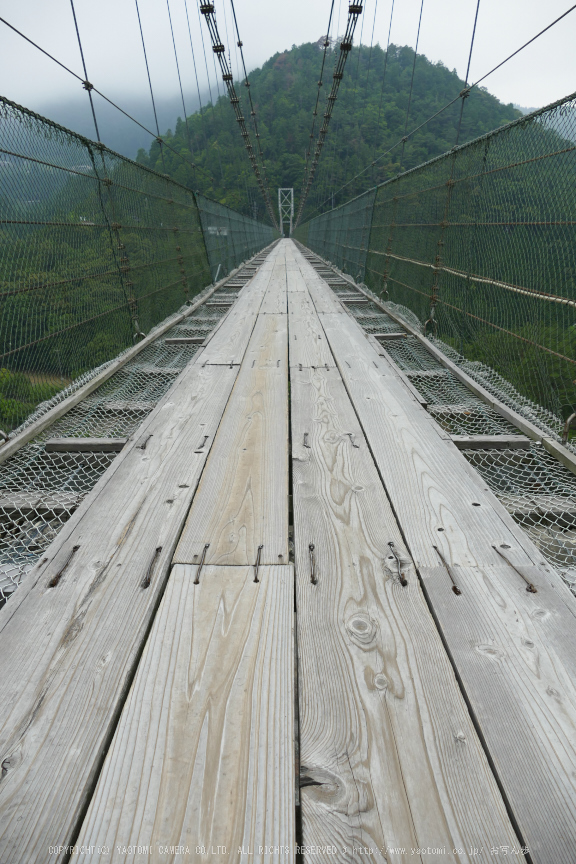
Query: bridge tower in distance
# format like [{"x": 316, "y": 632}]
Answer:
[{"x": 285, "y": 208}]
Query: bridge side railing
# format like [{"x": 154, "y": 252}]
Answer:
[
  {"x": 95, "y": 250},
  {"x": 479, "y": 245}
]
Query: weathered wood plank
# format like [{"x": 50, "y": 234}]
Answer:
[
  {"x": 441, "y": 504},
  {"x": 242, "y": 500},
  {"x": 383, "y": 726},
  {"x": 233, "y": 337},
  {"x": 68, "y": 652},
  {"x": 491, "y": 442},
  {"x": 204, "y": 751},
  {"x": 427, "y": 472},
  {"x": 276, "y": 296},
  {"x": 308, "y": 343},
  {"x": 300, "y": 303},
  {"x": 85, "y": 445},
  {"x": 294, "y": 282},
  {"x": 522, "y": 695}
]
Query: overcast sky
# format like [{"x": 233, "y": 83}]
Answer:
[{"x": 544, "y": 72}]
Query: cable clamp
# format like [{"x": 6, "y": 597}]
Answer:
[
  {"x": 87, "y": 85},
  {"x": 464, "y": 93},
  {"x": 206, "y": 8}
]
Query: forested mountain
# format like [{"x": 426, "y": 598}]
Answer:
[{"x": 369, "y": 117}]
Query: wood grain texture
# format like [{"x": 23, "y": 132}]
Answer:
[
  {"x": 300, "y": 302},
  {"x": 308, "y": 343},
  {"x": 204, "y": 751},
  {"x": 68, "y": 652},
  {"x": 430, "y": 490},
  {"x": 233, "y": 336},
  {"x": 427, "y": 478},
  {"x": 383, "y": 726},
  {"x": 294, "y": 282},
  {"x": 522, "y": 694},
  {"x": 242, "y": 500},
  {"x": 275, "y": 299}
]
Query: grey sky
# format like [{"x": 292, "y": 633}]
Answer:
[{"x": 543, "y": 73}]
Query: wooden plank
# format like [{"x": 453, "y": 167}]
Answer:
[
  {"x": 276, "y": 299},
  {"x": 233, "y": 337},
  {"x": 438, "y": 503},
  {"x": 300, "y": 303},
  {"x": 294, "y": 282},
  {"x": 490, "y": 442},
  {"x": 204, "y": 751},
  {"x": 386, "y": 337},
  {"x": 308, "y": 343},
  {"x": 108, "y": 567},
  {"x": 242, "y": 501},
  {"x": 384, "y": 729},
  {"x": 522, "y": 695},
  {"x": 85, "y": 445}
]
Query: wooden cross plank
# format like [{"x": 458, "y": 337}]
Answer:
[
  {"x": 204, "y": 751},
  {"x": 72, "y": 635},
  {"x": 385, "y": 734},
  {"x": 85, "y": 445},
  {"x": 242, "y": 501}
]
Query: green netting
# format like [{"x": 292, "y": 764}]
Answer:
[
  {"x": 480, "y": 245},
  {"x": 95, "y": 250},
  {"x": 342, "y": 234},
  {"x": 230, "y": 237}
]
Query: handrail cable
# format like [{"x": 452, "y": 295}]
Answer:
[
  {"x": 240, "y": 45},
  {"x": 354, "y": 10},
  {"x": 463, "y": 94}
]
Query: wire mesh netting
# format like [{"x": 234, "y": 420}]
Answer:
[
  {"x": 480, "y": 245},
  {"x": 342, "y": 235},
  {"x": 230, "y": 237},
  {"x": 95, "y": 250}
]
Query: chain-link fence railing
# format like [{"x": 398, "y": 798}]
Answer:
[
  {"x": 95, "y": 250},
  {"x": 230, "y": 237},
  {"x": 480, "y": 245}
]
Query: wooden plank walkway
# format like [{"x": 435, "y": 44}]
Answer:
[{"x": 186, "y": 676}]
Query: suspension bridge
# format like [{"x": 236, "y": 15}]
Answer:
[{"x": 288, "y": 508}]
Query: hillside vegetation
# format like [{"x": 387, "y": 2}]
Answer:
[{"x": 367, "y": 120}]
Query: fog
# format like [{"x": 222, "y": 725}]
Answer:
[{"x": 114, "y": 57}]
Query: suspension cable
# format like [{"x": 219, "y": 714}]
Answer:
[
  {"x": 86, "y": 83},
  {"x": 463, "y": 94},
  {"x": 252, "y": 108},
  {"x": 207, "y": 9},
  {"x": 354, "y": 10},
  {"x": 180, "y": 80},
  {"x": 404, "y": 139}
]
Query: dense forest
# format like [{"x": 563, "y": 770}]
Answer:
[{"x": 369, "y": 117}]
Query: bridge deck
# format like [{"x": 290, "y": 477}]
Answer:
[{"x": 290, "y": 499}]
